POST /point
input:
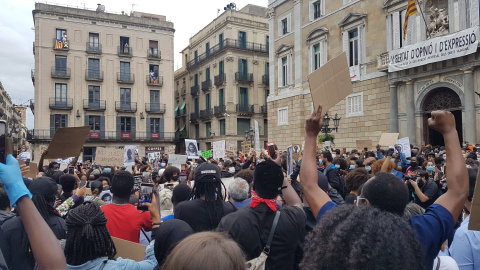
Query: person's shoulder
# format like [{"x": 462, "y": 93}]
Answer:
[
  {"x": 436, "y": 217},
  {"x": 12, "y": 224}
]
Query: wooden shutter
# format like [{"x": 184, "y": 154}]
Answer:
[
  {"x": 118, "y": 127},
  {"x": 389, "y": 32},
  {"x": 345, "y": 45},
  {"x": 148, "y": 126},
  {"x": 102, "y": 126},
  {"x": 66, "y": 119},
  {"x": 52, "y": 125},
  {"x": 162, "y": 122},
  {"x": 396, "y": 30},
  {"x": 86, "y": 121},
  {"x": 133, "y": 127}
]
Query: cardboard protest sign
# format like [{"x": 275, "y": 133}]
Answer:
[
  {"x": 177, "y": 159},
  {"x": 289, "y": 161},
  {"x": 388, "y": 139},
  {"x": 330, "y": 83},
  {"x": 207, "y": 154},
  {"x": 404, "y": 144},
  {"x": 361, "y": 144},
  {"x": 129, "y": 250},
  {"x": 67, "y": 142},
  {"x": 129, "y": 155},
  {"x": 297, "y": 151},
  {"x": 109, "y": 156},
  {"x": 192, "y": 149},
  {"x": 246, "y": 147},
  {"x": 218, "y": 149},
  {"x": 24, "y": 156},
  {"x": 474, "y": 223},
  {"x": 170, "y": 149},
  {"x": 33, "y": 169}
]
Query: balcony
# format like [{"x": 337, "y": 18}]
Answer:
[
  {"x": 95, "y": 48},
  {"x": 220, "y": 79},
  {"x": 60, "y": 73},
  {"x": 194, "y": 116},
  {"x": 32, "y": 73},
  {"x": 206, "y": 85},
  {"x": 94, "y": 75},
  {"x": 155, "y": 108},
  {"x": 98, "y": 105},
  {"x": 244, "y": 77},
  {"x": 244, "y": 109},
  {"x": 220, "y": 110},
  {"x": 47, "y": 134},
  {"x": 122, "y": 106},
  {"x": 206, "y": 114},
  {"x": 61, "y": 103},
  {"x": 59, "y": 44},
  {"x": 228, "y": 44},
  {"x": 194, "y": 90},
  {"x": 184, "y": 90},
  {"x": 266, "y": 80},
  {"x": 383, "y": 62},
  {"x": 263, "y": 109},
  {"x": 154, "y": 80},
  {"x": 183, "y": 134},
  {"x": 124, "y": 51},
  {"x": 154, "y": 54},
  {"x": 123, "y": 77}
]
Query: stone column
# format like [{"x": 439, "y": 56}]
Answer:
[
  {"x": 271, "y": 49},
  {"x": 393, "y": 109},
  {"x": 410, "y": 100},
  {"x": 470, "y": 116}
]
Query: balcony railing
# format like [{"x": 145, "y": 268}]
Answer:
[
  {"x": 94, "y": 48},
  {"x": 206, "y": 85},
  {"x": 61, "y": 73},
  {"x": 194, "y": 90},
  {"x": 246, "y": 109},
  {"x": 266, "y": 80},
  {"x": 155, "y": 108},
  {"x": 124, "y": 51},
  {"x": 194, "y": 116},
  {"x": 60, "y": 44},
  {"x": 263, "y": 109},
  {"x": 154, "y": 80},
  {"x": 123, "y": 77},
  {"x": 220, "y": 110},
  {"x": 47, "y": 134},
  {"x": 206, "y": 114},
  {"x": 94, "y": 75},
  {"x": 383, "y": 61},
  {"x": 61, "y": 103},
  {"x": 122, "y": 106},
  {"x": 184, "y": 90},
  {"x": 97, "y": 105},
  {"x": 154, "y": 54},
  {"x": 244, "y": 77},
  {"x": 228, "y": 44},
  {"x": 220, "y": 79}
]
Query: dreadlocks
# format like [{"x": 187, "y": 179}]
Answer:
[
  {"x": 88, "y": 237},
  {"x": 214, "y": 196}
]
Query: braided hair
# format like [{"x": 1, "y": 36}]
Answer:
[
  {"x": 88, "y": 237},
  {"x": 214, "y": 197}
]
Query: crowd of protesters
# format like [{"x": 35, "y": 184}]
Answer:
[{"x": 339, "y": 209}]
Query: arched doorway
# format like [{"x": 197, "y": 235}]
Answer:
[{"x": 442, "y": 98}]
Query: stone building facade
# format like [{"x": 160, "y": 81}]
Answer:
[
  {"x": 113, "y": 72},
  {"x": 222, "y": 86},
  {"x": 15, "y": 117},
  {"x": 307, "y": 34}
]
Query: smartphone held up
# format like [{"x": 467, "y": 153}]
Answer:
[{"x": 145, "y": 196}]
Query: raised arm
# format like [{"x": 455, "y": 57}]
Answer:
[
  {"x": 314, "y": 195},
  {"x": 40, "y": 162},
  {"x": 457, "y": 176}
]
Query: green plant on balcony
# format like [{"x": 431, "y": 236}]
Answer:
[{"x": 325, "y": 137}]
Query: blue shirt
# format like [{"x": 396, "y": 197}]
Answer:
[
  {"x": 240, "y": 204},
  {"x": 465, "y": 248},
  {"x": 167, "y": 217},
  {"x": 432, "y": 229}
]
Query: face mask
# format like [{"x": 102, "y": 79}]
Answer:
[
  {"x": 337, "y": 166},
  {"x": 408, "y": 161},
  {"x": 430, "y": 168},
  {"x": 420, "y": 183},
  {"x": 107, "y": 170},
  {"x": 231, "y": 170},
  {"x": 464, "y": 145},
  {"x": 334, "y": 156},
  {"x": 106, "y": 188},
  {"x": 436, "y": 151},
  {"x": 320, "y": 162},
  {"x": 175, "y": 178},
  {"x": 163, "y": 164},
  {"x": 478, "y": 159},
  {"x": 352, "y": 167},
  {"x": 393, "y": 160},
  {"x": 414, "y": 153},
  {"x": 444, "y": 158},
  {"x": 368, "y": 168}
]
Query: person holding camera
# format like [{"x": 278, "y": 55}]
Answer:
[{"x": 425, "y": 190}]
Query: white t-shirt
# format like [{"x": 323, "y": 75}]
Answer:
[{"x": 446, "y": 263}]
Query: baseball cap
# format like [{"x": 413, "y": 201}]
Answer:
[
  {"x": 44, "y": 186},
  {"x": 207, "y": 172}
]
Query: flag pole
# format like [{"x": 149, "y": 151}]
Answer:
[{"x": 423, "y": 17}]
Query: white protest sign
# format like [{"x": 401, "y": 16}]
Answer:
[
  {"x": 192, "y": 150},
  {"x": 289, "y": 161},
  {"x": 218, "y": 149},
  {"x": 24, "y": 156},
  {"x": 177, "y": 159},
  {"x": 257, "y": 137},
  {"x": 109, "y": 156},
  {"x": 327, "y": 143},
  {"x": 404, "y": 144},
  {"x": 129, "y": 155},
  {"x": 151, "y": 157},
  {"x": 64, "y": 161}
]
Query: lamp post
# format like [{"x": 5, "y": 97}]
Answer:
[
  {"x": 326, "y": 123},
  {"x": 249, "y": 134}
]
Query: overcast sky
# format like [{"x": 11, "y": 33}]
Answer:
[{"x": 16, "y": 22}]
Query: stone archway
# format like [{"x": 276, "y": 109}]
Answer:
[{"x": 440, "y": 98}]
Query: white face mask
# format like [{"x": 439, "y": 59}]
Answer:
[
  {"x": 231, "y": 170},
  {"x": 163, "y": 164},
  {"x": 334, "y": 156}
]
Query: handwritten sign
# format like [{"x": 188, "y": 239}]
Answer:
[
  {"x": 109, "y": 156},
  {"x": 218, "y": 149},
  {"x": 177, "y": 159}
]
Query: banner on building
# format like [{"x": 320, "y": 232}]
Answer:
[{"x": 433, "y": 50}]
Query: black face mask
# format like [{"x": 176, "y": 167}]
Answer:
[
  {"x": 413, "y": 164},
  {"x": 175, "y": 178},
  {"x": 421, "y": 184}
]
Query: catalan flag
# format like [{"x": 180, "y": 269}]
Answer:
[
  {"x": 58, "y": 44},
  {"x": 411, "y": 9}
]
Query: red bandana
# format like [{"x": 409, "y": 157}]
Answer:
[{"x": 256, "y": 200}]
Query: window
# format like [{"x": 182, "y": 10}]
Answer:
[
  {"x": 94, "y": 122},
  {"x": 60, "y": 65},
  {"x": 153, "y": 48},
  {"x": 60, "y": 120},
  {"x": 267, "y": 68},
  {"x": 354, "y": 105},
  {"x": 242, "y": 67},
  {"x": 282, "y": 116},
  {"x": 265, "y": 127},
  {"x": 60, "y": 33},
  {"x": 60, "y": 94},
  {"x": 243, "y": 96},
  {"x": 125, "y": 45},
  {"x": 242, "y": 39},
  {"x": 207, "y": 101},
  {"x": 208, "y": 129},
  {"x": 197, "y": 109},
  {"x": 197, "y": 131},
  {"x": 125, "y": 71},
  {"x": 155, "y": 100},
  {"x": 221, "y": 97},
  {"x": 220, "y": 40},
  {"x": 154, "y": 69},
  {"x": 207, "y": 49},
  {"x": 155, "y": 125},
  {"x": 125, "y": 124},
  {"x": 195, "y": 56},
  {"x": 93, "y": 96},
  {"x": 93, "y": 41},
  {"x": 93, "y": 68},
  {"x": 207, "y": 74},
  {"x": 220, "y": 68},
  {"x": 353, "y": 50},
  {"x": 284, "y": 26},
  {"x": 395, "y": 23},
  {"x": 267, "y": 42},
  {"x": 221, "y": 123},
  {"x": 316, "y": 9},
  {"x": 195, "y": 79},
  {"x": 318, "y": 55},
  {"x": 284, "y": 71},
  {"x": 125, "y": 98},
  {"x": 242, "y": 126}
]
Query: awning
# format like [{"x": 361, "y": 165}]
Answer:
[
  {"x": 183, "y": 128},
  {"x": 176, "y": 108},
  {"x": 183, "y": 105}
]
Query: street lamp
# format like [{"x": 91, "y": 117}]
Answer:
[
  {"x": 326, "y": 123},
  {"x": 249, "y": 134}
]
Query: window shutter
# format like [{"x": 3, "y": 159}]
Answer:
[
  {"x": 86, "y": 120},
  {"x": 345, "y": 45},
  {"x": 280, "y": 67},
  {"x": 102, "y": 126},
  {"x": 310, "y": 11},
  {"x": 52, "y": 125},
  {"x": 323, "y": 47},
  {"x": 396, "y": 30},
  {"x": 118, "y": 127},
  {"x": 134, "y": 127},
  {"x": 289, "y": 23},
  {"x": 462, "y": 13},
  {"x": 162, "y": 122},
  {"x": 389, "y": 32},
  {"x": 289, "y": 69},
  {"x": 66, "y": 120},
  {"x": 474, "y": 16},
  {"x": 148, "y": 126},
  {"x": 361, "y": 44}
]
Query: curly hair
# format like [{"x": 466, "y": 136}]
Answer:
[
  {"x": 340, "y": 161},
  {"x": 169, "y": 172},
  {"x": 356, "y": 178},
  {"x": 377, "y": 166},
  {"x": 246, "y": 174},
  {"x": 364, "y": 238}
]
